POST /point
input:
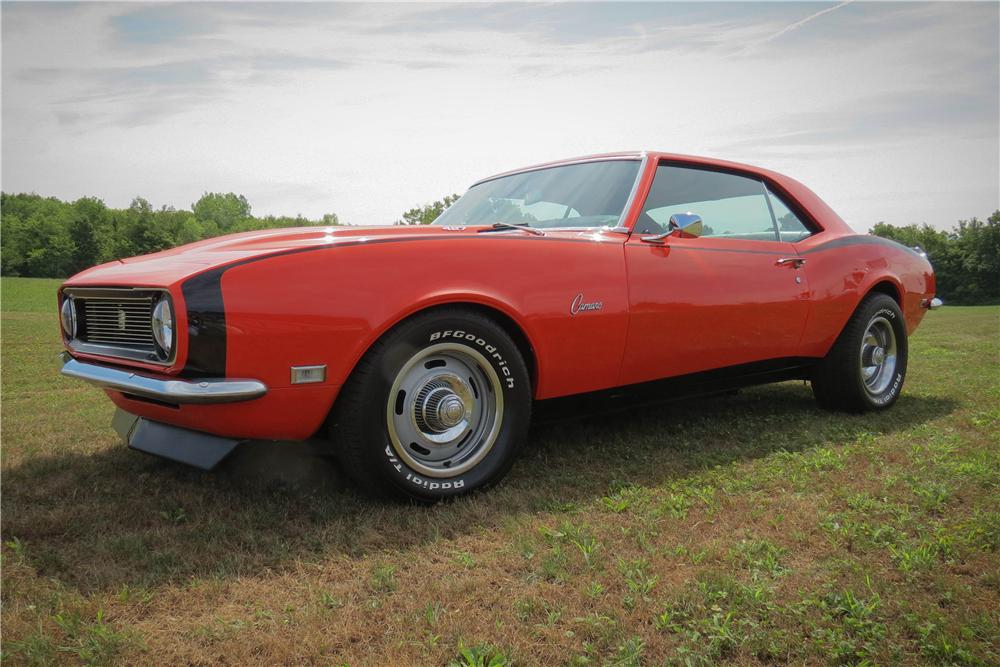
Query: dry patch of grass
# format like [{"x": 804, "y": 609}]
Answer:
[{"x": 754, "y": 528}]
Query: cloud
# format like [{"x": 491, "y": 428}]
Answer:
[
  {"x": 162, "y": 24},
  {"x": 367, "y": 109},
  {"x": 798, "y": 24}
]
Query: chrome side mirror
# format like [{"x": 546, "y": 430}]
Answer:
[{"x": 685, "y": 225}]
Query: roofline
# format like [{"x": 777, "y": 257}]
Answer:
[
  {"x": 813, "y": 207},
  {"x": 632, "y": 155}
]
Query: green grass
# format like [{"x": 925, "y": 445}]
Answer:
[{"x": 754, "y": 528}]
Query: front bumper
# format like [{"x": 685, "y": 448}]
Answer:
[{"x": 209, "y": 390}]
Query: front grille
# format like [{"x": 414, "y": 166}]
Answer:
[
  {"x": 121, "y": 322},
  {"x": 116, "y": 322}
]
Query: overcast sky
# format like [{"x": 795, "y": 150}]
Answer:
[{"x": 888, "y": 111}]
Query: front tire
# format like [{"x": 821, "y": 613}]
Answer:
[
  {"x": 438, "y": 407},
  {"x": 866, "y": 366}
]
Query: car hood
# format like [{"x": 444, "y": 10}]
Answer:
[{"x": 162, "y": 269}]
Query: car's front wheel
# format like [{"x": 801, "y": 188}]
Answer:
[
  {"x": 438, "y": 407},
  {"x": 865, "y": 368}
]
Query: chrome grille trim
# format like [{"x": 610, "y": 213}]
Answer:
[{"x": 117, "y": 322}]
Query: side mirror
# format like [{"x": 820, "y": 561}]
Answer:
[{"x": 684, "y": 225}]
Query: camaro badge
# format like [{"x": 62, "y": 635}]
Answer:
[
  {"x": 579, "y": 306},
  {"x": 121, "y": 320}
]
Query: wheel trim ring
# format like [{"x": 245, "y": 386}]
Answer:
[
  {"x": 879, "y": 339},
  {"x": 477, "y": 451}
]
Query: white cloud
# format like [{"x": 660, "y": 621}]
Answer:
[{"x": 888, "y": 111}]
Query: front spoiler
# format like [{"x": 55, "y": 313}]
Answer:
[
  {"x": 193, "y": 448},
  {"x": 208, "y": 390}
]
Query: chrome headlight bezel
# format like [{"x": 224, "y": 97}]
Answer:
[
  {"x": 163, "y": 326},
  {"x": 68, "y": 318}
]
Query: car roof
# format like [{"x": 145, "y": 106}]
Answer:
[{"x": 821, "y": 214}]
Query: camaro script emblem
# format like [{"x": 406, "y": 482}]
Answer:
[
  {"x": 121, "y": 320},
  {"x": 579, "y": 305}
]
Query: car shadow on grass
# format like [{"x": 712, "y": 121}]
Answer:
[{"x": 119, "y": 518}]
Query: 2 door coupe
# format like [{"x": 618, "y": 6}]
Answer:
[{"x": 420, "y": 351}]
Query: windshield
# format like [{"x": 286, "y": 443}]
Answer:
[{"x": 590, "y": 194}]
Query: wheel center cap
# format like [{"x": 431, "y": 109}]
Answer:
[
  {"x": 451, "y": 411},
  {"x": 878, "y": 355}
]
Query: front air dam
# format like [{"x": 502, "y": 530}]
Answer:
[{"x": 200, "y": 450}]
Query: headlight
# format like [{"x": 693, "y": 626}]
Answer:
[
  {"x": 163, "y": 325},
  {"x": 67, "y": 315}
]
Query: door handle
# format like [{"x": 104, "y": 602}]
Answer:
[{"x": 795, "y": 262}]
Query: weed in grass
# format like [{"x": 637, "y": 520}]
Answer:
[
  {"x": 37, "y": 648},
  {"x": 637, "y": 578},
  {"x": 822, "y": 460},
  {"x": 922, "y": 556},
  {"x": 383, "y": 578},
  {"x": 588, "y": 546},
  {"x": 136, "y": 594},
  {"x": 931, "y": 496},
  {"x": 432, "y": 614},
  {"x": 328, "y": 601},
  {"x": 759, "y": 555},
  {"x": 553, "y": 565},
  {"x": 941, "y": 648},
  {"x": 982, "y": 531},
  {"x": 92, "y": 642},
  {"x": 624, "y": 496},
  {"x": 174, "y": 515},
  {"x": 854, "y": 627},
  {"x": 672, "y": 619},
  {"x": 677, "y": 505},
  {"x": 629, "y": 653},
  {"x": 483, "y": 655},
  {"x": 594, "y": 590},
  {"x": 465, "y": 559}
]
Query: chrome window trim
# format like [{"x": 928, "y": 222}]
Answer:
[
  {"x": 111, "y": 351},
  {"x": 643, "y": 163}
]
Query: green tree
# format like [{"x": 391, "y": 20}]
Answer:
[
  {"x": 221, "y": 213},
  {"x": 425, "y": 215},
  {"x": 46, "y": 237},
  {"x": 87, "y": 222},
  {"x": 966, "y": 259}
]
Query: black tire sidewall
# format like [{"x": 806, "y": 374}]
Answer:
[
  {"x": 882, "y": 306},
  {"x": 480, "y": 335}
]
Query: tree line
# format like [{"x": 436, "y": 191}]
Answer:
[
  {"x": 48, "y": 238},
  {"x": 44, "y": 237},
  {"x": 966, "y": 258}
]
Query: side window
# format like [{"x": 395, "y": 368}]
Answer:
[
  {"x": 731, "y": 206},
  {"x": 790, "y": 227}
]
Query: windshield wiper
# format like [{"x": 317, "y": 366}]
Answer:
[{"x": 522, "y": 226}]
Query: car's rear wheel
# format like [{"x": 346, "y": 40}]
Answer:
[
  {"x": 866, "y": 366},
  {"x": 437, "y": 408}
]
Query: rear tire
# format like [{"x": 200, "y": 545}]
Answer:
[
  {"x": 866, "y": 366},
  {"x": 438, "y": 407}
]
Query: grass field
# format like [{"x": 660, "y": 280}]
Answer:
[{"x": 753, "y": 528}]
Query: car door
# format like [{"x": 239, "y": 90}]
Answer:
[{"x": 735, "y": 294}]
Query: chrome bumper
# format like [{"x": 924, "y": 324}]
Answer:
[
  {"x": 932, "y": 304},
  {"x": 169, "y": 391}
]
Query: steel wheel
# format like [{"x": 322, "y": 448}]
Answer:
[
  {"x": 878, "y": 355},
  {"x": 444, "y": 410}
]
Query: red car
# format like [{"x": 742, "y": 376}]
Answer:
[{"x": 420, "y": 351}]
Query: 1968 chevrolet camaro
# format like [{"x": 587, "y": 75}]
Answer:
[{"x": 420, "y": 351}]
